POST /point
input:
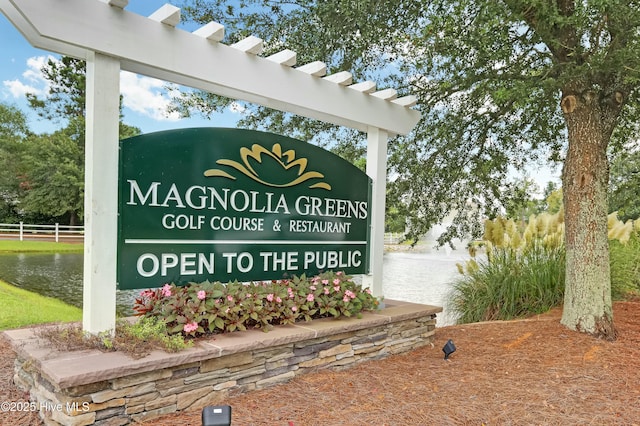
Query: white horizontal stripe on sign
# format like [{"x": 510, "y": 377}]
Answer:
[{"x": 273, "y": 242}]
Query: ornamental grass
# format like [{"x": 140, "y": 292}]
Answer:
[{"x": 522, "y": 271}]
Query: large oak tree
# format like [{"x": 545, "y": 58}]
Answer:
[{"x": 501, "y": 84}]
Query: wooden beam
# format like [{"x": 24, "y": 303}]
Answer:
[
  {"x": 251, "y": 44},
  {"x": 284, "y": 57},
  {"x": 364, "y": 87},
  {"x": 386, "y": 94},
  {"x": 117, "y": 3},
  {"x": 101, "y": 194},
  {"x": 167, "y": 14},
  {"x": 316, "y": 69},
  {"x": 212, "y": 31},
  {"x": 343, "y": 78},
  {"x": 406, "y": 101}
]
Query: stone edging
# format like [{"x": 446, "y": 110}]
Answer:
[{"x": 91, "y": 387}]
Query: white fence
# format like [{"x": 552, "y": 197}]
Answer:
[
  {"x": 55, "y": 232},
  {"x": 393, "y": 237}
]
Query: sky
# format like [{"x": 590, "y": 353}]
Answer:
[{"x": 144, "y": 98}]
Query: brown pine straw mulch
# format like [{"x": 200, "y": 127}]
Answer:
[{"x": 525, "y": 372}]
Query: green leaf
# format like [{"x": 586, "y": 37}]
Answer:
[{"x": 219, "y": 322}]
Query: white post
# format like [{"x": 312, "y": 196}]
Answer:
[
  {"x": 377, "y": 171},
  {"x": 57, "y": 230},
  {"x": 21, "y": 231},
  {"x": 101, "y": 193}
]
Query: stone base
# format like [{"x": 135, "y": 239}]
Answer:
[{"x": 90, "y": 387}]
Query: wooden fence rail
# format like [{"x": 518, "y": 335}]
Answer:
[
  {"x": 393, "y": 237},
  {"x": 59, "y": 232},
  {"x": 56, "y": 232}
]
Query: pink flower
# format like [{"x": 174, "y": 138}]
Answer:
[
  {"x": 202, "y": 294},
  {"x": 312, "y": 287},
  {"x": 336, "y": 288},
  {"x": 339, "y": 273},
  {"x": 310, "y": 297},
  {"x": 326, "y": 290},
  {"x": 147, "y": 293},
  {"x": 166, "y": 290},
  {"x": 190, "y": 327},
  {"x": 230, "y": 298},
  {"x": 349, "y": 293},
  {"x": 346, "y": 298},
  {"x": 294, "y": 308},
  {"x": 336, "y": 281},
  {"x": 367, "y": 290},
  {"x": 270, "y": 297},
  {"x": 325, "y": 282},
  {"x": 278, "y": 300}
]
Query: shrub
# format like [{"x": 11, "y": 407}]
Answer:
[
  {"x": 625, "y": 266},
  {"x": 523, "y": 272},
  {"x": 201, "y": 308},
  {"x": 510, "y": 283}
]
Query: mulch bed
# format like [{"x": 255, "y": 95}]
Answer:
[{"x": 524, "y": 372}]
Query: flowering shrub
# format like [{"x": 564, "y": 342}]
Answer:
[{"x": 201, "y": 308}]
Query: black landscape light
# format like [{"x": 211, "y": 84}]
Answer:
[
  {"x": 216, "y": 415},
  {"x": 448, "y": 348}
]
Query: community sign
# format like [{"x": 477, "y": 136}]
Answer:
[{"x": 231, "y": 204}]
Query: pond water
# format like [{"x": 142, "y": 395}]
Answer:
[
  {"x": 420, "y": 277},
  {"x": 56, "y": 275}
]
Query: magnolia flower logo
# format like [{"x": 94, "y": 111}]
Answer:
[{"x": 272, "y": 168}]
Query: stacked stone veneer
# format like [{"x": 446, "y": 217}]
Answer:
[{"x": 95, "y": 388}]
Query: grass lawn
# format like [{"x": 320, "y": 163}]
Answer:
[
  {"x": 19, "y": 308},
  {"x": 39, "y": 247}
]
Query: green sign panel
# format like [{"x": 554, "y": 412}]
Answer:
[{"x": 226, "y": 204}]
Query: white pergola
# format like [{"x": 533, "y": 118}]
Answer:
[{"x": 112, "y": 39}]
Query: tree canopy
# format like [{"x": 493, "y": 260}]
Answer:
[
  {"x": 42, "y": 176},
  {"x": 13, "y": 130},
  {"x": 501, "y": 85}
]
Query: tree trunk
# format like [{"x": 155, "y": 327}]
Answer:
[
  {"x": 587, "y": 299},
  {"x": 73, "y": 218}
]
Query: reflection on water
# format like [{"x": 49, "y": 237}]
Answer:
[
  {"x": 55, "y": 275},
  {"x": 419, "y": 277}
]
